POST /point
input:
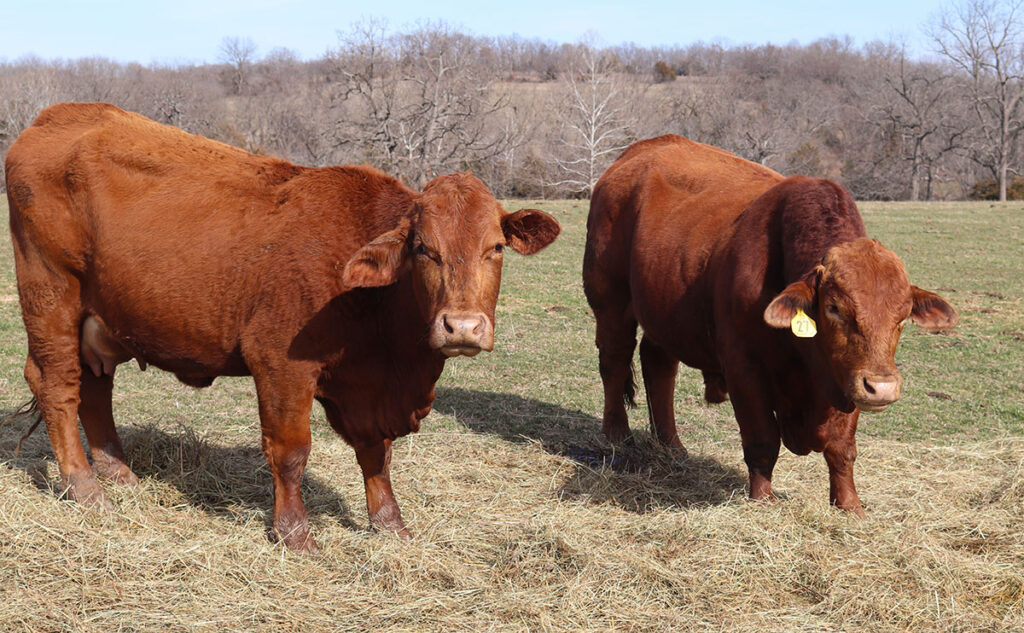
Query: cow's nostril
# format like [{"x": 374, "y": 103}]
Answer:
[
  {"x": 447, "y": 326},
  {"x": 868, "y": 387}
]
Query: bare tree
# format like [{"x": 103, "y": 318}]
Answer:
[
  {"x": 984, "y": 39},
  {"x": 420, "y": 103},
  {"x": 240, "y": 55},
  {"x": 915, "y": 110},
  {"x": 596, "y": 120}
]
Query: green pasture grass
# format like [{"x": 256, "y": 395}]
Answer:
[{"x": 514, "y": 535}]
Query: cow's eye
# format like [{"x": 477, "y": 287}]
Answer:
[
  {"x": 833, "y": 311},
  {"x": 422, "y": 251},
  {"x": 499, "y": 248}
]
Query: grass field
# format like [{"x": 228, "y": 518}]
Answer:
[{"x": 518, "y": 525}]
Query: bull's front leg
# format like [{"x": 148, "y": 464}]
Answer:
[
  {"x": 375, "y": 462},
  {"x": 759, "y": 430}
]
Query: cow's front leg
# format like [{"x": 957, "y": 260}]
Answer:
[
  {"x": 285, "y": 405},
  {"x": 375, "y": 461}
]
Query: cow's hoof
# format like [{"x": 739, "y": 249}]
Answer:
[
  {"x": 855, "y": 508},
  {"x": 295, "y": 536},
  {"x": 86, "y": 491},
  {"x": 302, "y": 544},
  {"x": 115, "y": 471},
  {"x": 389, "y": 519}
]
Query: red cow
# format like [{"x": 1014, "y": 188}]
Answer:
[
  {"x": 137, "y": 240},
  {"x": 717, "y": 258}
]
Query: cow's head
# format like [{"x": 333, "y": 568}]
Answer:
[
  {"x": 453, "y": 247},
  {"x": 860, "y": 298}
]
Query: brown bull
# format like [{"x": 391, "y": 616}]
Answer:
[
  {"x": 137, "y": 240},
  {"x": 718, "y": 259}
]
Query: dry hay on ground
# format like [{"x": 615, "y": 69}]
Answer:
[{"x": 512, "y": 537}]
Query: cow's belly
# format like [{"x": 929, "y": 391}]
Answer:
[{"x": 195, "y": 361}]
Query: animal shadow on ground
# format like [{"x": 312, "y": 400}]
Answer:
[
  {"x": 223, "y": 481},
  {"x": 639, "y": 475}
]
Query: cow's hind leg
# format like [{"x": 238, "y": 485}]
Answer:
[
  {"x": 94, "y": 409},
  {"x": 375, "y": 462},
  {"x": 659, "y": 370},
  {"x": 285, "y": 404}
]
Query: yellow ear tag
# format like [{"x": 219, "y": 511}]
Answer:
[{"x": 803, "y": 325}]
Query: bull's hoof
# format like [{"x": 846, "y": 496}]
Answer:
[
  {"x": 674, "y": 446},
  {"x": 617, "y": 435},
  {"x": 86, "y": 491},
  {"x": 761, "y": 490}
]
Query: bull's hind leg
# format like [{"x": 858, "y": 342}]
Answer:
[
  {"x": 375, "y": 462},
  {"x": 94, "y": 409},
  {"x": 659, "y": 370}
]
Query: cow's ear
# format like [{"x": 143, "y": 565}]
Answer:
[
  {"x": 381, "y": 262},
  {"x": 931, "y": 311},
  {"x": 798, "y": 295},
  {"x": 529, "y": 230}
]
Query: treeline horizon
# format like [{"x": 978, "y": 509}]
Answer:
[{"x": 537, "y": 119}]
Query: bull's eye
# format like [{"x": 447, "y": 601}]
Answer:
[
  {"x": 499, "y": 248},
  {"x": 833, "y": 311}
]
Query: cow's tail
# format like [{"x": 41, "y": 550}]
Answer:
[
  {"x": 30, "y": 409},
  {"x": 629, "y": 390}
]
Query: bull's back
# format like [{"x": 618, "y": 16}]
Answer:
[{"x": 657, "y": 215}]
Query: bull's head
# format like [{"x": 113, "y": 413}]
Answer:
[
  {"x": 453, "y": 245},
  {"x": 860, "y": 298}
]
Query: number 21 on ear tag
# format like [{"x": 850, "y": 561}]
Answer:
[{"x": 803, "y": 325}]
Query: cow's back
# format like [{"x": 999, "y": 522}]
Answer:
[
  {"x": 657, "y": 215},
  {"x": 183, "y": 242}
]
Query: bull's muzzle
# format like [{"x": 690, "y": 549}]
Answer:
[
  {"x": 462, "y": 333},
  {"x": 875, "y": 392}
]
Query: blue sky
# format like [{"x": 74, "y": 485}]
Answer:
[{"x": 191, "y": 31}]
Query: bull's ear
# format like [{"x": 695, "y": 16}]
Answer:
[
  {"x": 931, "y": 311},
  {"x": 529, "y": 230},
  {"x": 798, "y": 295},
  {"x": 381, "y": 262}
]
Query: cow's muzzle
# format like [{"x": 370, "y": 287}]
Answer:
[
  {"x": 462, "y": 333},
  {"x": 875, "y": 392}
]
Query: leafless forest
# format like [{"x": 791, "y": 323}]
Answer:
[{"x": 538, "y": 119}]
